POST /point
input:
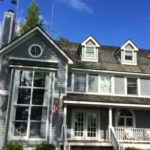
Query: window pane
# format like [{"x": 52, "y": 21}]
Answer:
[
  {"x": 38, "y": 96},
  {"x": 37, "y": 130},
  {"x": 125, "y": 112},
  {"x": 91, "y": 124},
  {"x": 145, "y": 87},
  {"x": 128, "y": 55},
  {"x": 69, "y": 81},
  {"x": 89, "y": 52},
  {"x": 121, "y": 122},
  {"x": 24, "y": 95},
  {"x": 25, "y": 78},
  {"x": 119, "y": 85},
  {"x": 20, "y": 128},
  {"x": 22, "y": 113},
  {"x": 79, "y": 123},
  {"x": 38, "y": 113},
  {"x": 129, "y": 122},
  {"x": 105, "y": 84},
  {"x": 39, "y": 79},
  {"x": 131, "y": 86},
  {"x": 93, "y": 83},
  {"x": 79, "y": 82}
]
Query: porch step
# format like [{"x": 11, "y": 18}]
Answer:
[{"x": 91, "y": 148}]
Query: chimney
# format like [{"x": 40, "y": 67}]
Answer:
[{"x": 8, "y": 28}]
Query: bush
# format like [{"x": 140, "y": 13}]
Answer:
[
  {"x": 132, "y": 148},
  {"x": 12, "y": 146},
  {"x": 45, "y": 147}
]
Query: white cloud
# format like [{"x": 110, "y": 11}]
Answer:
[{"x": 78, "y": 5}]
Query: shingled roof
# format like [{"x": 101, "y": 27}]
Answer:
[
  {"x": 106, "y": 99},
  {"x": 106, "y": 61}
]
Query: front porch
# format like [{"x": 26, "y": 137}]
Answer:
[{"x": 102, "y": 127}]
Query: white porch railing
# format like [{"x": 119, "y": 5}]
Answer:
[
  {"x": 114, "y": 140},
  {"x": 132, "y": 134}
]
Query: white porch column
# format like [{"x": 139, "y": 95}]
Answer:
[
  {"x": 65, "y": 115},
  {"x": 110, "y": 124}
]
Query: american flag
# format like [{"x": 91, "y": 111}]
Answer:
[{"x": 55, "y": 106}]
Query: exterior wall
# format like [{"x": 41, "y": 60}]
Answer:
[
  {"x": 142, "y": 118},
  {"x": 49, "y": 54}
]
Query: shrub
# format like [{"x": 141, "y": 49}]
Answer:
[
  {"x": 132, "y": 148},
  {"x": 12, "y": 146},
  {"x": 45, "y": 147}
]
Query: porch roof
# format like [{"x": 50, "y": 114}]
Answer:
[{"x": 106, "y": 99}]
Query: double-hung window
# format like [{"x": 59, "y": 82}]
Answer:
[
  {"x": 79, "y": 82},
  {"x": 90, "y": 52},
  {"x": 128, "y": 55},
  {"x": 105, "y": 84},
  {"x": 132, "y": 86},
  {"x": 30, "y": 104},
  {"x": 92, "y": 83}
]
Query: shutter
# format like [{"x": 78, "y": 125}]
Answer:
[
  {"x": 119, "y": 85},
  {"x": 145, "y": 87}
]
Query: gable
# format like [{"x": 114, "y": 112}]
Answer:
[
  {"x": 49, "y": 52},
  {"x": 20, "y": 47}
]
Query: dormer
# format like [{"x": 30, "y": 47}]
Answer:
[
  {"x": 128, "y": 53},
  {"x": 89, "y": 50}
]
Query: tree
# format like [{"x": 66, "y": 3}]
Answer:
[
  {"x": 62, "y": 39},
  {"x": 32, "y": 18}
]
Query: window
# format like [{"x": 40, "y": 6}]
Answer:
[
  {"x": 145, "y": 87},
  {"x": 132, "y": 86},
  {"x": 119, "y": 85},
  {"x": 93, "y": 83},
  {"x": 128, "y": 55},
  {"x": 30, "y": 106},
  {"x": 35, "y": 50},
  {"x": 125, "y": 118},
  {"x": 85, "y": 124},
  {"x": 79, "y": 82},
  {"x": 90, "y": 52},
  {"x": 105, "y": 84}
]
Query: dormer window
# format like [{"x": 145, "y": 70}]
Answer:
[
  {"x": 89, "y": 51},
  {"x": 129, "y": 53}
]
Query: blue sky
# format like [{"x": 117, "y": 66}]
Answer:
[{"x": 111, "y": 22}]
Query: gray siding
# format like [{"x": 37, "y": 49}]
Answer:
[{"x": 50, "y": 54}]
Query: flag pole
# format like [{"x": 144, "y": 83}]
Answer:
[{"x": 17, "y": 10}]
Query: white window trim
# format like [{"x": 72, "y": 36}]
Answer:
[
  {"x": 30, "y": 48},
  {"x": 134, "y": 53},
  {"x": 13, "y": 104},
  {"x": 133, "y": 116},
  {"x": 112, "y": 93},
  {"x": 95, "y": 46},
  {"x": 94, "y": 59},
  {"x": 85, "y": 111}
]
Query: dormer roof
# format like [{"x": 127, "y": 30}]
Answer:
[{"x": 90, "y": 38}]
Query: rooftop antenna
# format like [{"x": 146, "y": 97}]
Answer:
[{"x": 52, "y": 17}]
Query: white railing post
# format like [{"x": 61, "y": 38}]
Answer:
[{"x": 110, "y": 124}]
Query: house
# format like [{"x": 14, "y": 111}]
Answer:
[{"x": 104, "y": 92}]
